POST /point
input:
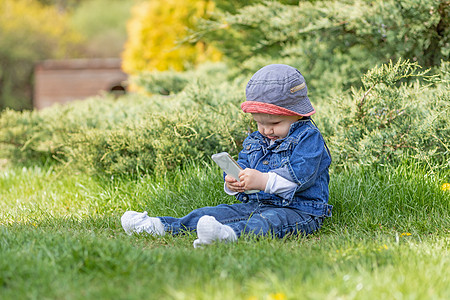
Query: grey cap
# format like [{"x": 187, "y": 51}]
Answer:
[{"x": 279, "y": 90}]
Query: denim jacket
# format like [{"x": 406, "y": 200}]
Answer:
[{"x": 301, "y": 157}]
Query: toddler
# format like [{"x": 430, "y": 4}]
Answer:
[{"x": 286, "y": 159}]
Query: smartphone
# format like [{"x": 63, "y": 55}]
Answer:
[{"x": 229, "y": 166}]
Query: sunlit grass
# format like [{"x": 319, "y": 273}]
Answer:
[{"x": 60, "y": 238}]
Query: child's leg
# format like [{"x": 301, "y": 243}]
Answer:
[
  {"x": 278, "y": 221},
  {"x": 223, "y": 213},
  {"x": 241, "y": 218},
  {"x": 263, "y": 220}
]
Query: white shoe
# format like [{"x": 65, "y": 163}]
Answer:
[
  {"x": 139, "y": 222},
  {"x": 210, "y": 230}
]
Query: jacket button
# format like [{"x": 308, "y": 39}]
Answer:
[
  {"x": 266, "y": 162},
  {"x": 245, "y": 198}
]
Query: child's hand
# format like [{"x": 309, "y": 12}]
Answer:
[
  {"x": 253, "y": 179},
  {"x": 234, "y": 185}
]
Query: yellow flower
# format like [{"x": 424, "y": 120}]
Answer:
[
  {"x": 405, "y": 234},
  {"x": 384, "y": 247},
  {"x": 445, "y": 186},
  {"x": 277, "y": 296}
]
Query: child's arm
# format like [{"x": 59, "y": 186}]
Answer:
[{"x": 278, "y": 185}]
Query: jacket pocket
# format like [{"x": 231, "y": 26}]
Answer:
[
  {"x": 280, "y": 155},
  {"x": 251, "y": 150}
]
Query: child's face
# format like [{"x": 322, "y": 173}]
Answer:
[{"x": 274, "y": 127}]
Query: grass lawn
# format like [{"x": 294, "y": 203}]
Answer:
[{"x": 60, "y": 238}]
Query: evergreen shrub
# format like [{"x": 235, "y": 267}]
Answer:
[
  {"x": 158, "y": 143},
  {"x": 24, "y": 136},
  {"x": 332, "y": 42},
  {"x": 400, "y": 112},
  {"x": 135, "y": 134},
  {"x": 44, "y": 135},
  {"x": 203, "y": 119}
]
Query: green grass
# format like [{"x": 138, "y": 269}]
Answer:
[{"x": 60, "y": 238}]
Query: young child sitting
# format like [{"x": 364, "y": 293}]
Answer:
[{"x": 286, "y": 159}]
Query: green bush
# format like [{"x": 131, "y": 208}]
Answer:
[
  {"x": 400, "y": 113},
  {"x": 134, "y": 134},
  {"x": 31, "y": 136},
  {"x": 192, "y": 125},
  {"x": 24, "y": 138},
  {"x": 392, "y": 118},
  {"x": 158, "y": 143}
]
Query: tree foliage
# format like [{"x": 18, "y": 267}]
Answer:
[
  {"x": 335, "y": 41},
  {"x": 29, "y": 32},
  {"x": 102, "y": 23},
  {"x": 414, "y": 29},
  {"x": 156, "y": 32}
]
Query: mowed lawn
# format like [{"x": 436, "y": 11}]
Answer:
[{"x": 61, "y": 238}]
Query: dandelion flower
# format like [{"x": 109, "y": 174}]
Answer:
[
  {"x": 277, "y": 296},
  {"x": 445, "y": 186},
  {"x": 405, "y": 234}
]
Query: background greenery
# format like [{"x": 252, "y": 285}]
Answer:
[
  {"x": 378, "y": 76},
  {"x": 400, "y": 112},
  {"x": 32, "y": 31},
  {"x": 333, "y": 40}
]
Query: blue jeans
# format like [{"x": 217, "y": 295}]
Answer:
[{"x": 251, "y": 217}]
